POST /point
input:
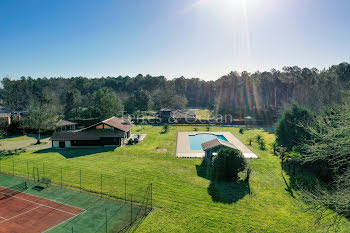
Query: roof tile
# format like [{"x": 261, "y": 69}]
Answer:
[{"x": 216, "y": 142}]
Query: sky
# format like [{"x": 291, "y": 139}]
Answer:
[{"x": 192, "y": 38}]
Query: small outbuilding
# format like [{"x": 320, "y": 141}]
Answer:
[
  {"x": 111, "y": 132},
  {"x": 176, "y": 116},
  {"x": 5, "y": 115},
  {"x": 213, "y": 146}
]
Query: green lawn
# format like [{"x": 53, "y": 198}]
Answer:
[
  {"x": 203, "y": 114},
  {"x": 20, "y": 141},
  {"x": 182, "y": 198},
  {"x": 18, "y": 138}
]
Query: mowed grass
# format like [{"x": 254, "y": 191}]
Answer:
[
  {"x": 181, "y": 197},
  {"x": 203, "y": 114},
  {"x": 21, "y": 141},
  {"x": 19, "y": 138}
]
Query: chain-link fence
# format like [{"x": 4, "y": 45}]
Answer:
[{"x": 135, "y": 199}]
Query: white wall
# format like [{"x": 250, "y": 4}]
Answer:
[
  {"x": 67, "y": 143},
  {"x": 55, "y": 144}
]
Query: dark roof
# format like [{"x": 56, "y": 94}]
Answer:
[
  {"x": 64, "y": 123},
  {"x": 216, "y": 142},
  {"x": 20, "y": 112},
  {"x": 87, "y": 134},
  {"x": 4, "y": 109}
]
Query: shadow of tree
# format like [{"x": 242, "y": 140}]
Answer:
[
  {"x": 228, "y": 192},
  {"x": 77, "y": 152},
  {"x": 223, "y": 191},
  {"x": 288, "y": 189},
  {"x": 302, "y": 176},
  {"x": 204, "y": 171}
]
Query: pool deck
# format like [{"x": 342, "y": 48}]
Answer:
[{"x": 183, "y": 149}]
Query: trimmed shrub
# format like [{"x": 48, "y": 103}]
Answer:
[
  {"x": 228, "y": 163},
  {"x": 250, "y": 141},
  {"x": 258, "y": 138},
  {"x": 165, "y": 128},
  {"x": 262, "y": 144}
]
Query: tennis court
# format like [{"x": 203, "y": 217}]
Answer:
[
  {"x": 26, "y": 206},
  {"x": 22, "y": 212}
]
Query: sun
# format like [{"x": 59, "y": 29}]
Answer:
[{"x": 236, "y": 4}]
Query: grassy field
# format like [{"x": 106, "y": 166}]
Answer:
[
  {"x": 19, "y": 138},
  {"x": 16, "y": 142},
  {"x": 203, "y": 114},
  {"x": 185, "y": 201}
]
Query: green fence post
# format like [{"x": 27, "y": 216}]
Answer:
[
  {"x": 80, "y": 179},
  {"x": 101, "y": 184},
  {"x": 13, "y": 165},
  {"x": 61, "y": 176},
  {"x": 106, "y": 220},
  {"x": 151, "y": 196},
  {"x": 131, "y": 208},
  {"x": 28, "y": 169},
  {"x": 125, "y": 188}
]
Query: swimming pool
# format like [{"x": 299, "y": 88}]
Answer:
[{"x": 197, "y": 139}]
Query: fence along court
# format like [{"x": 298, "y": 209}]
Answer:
[
  {"x": 22, "y": 212},
  {"x": 110, "y": 208}
]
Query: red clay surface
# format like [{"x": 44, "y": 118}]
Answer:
[{"x": 31, "y": 214}]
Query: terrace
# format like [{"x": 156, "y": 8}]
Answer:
[{"x": 189, "y": 147}]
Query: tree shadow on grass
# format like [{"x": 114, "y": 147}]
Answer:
[
  {"x": 288, "y": 189},
  {"x": 77, "y": 152},
  {"x": 223, "y": 191},
  {"x": 228, "y": 192}
]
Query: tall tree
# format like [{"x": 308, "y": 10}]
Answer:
[
  {"x": 142, "y": 100},
  {"x": 40, "y": 116},
  {"x": 73, "y": 102},
  {"x": 106, "y": 103},
  {"x": 169, "y": 99},
  {"x": 290, "y": 131}
]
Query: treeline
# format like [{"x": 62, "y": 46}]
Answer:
[
  {"x": 314, "y": 151},
  {"x": 261, "y": 94}
]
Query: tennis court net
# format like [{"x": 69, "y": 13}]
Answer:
[{"x": 13, "y": 190}]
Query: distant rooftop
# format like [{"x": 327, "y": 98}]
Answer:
[
  {"x": 4, "y": 109},
  {"x": 5, "y": 114},
  {"x": 64, "y": 123}
]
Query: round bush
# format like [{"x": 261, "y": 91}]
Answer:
[{"x": 228, "y": 163}]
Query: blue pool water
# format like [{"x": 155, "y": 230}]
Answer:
[{"x": 197, "y": 139}]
